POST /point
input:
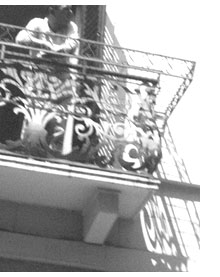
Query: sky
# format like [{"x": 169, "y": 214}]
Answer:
[{"x": 182, "y": 29}]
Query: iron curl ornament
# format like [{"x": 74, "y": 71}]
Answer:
[{"x": 82, "y": 118}]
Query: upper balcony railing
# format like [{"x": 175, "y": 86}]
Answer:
[{"x": 105, "y": 105}]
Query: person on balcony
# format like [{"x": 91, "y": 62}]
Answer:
[
  {"x": 58, "y": 33},
  {"x": 46, "y": 33}
]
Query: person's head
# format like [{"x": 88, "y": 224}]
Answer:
[{"x": 61, "y": 15}]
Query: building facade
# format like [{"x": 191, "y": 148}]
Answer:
[{"x": 102, "y": 188}]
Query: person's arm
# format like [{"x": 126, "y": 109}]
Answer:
[
  {"x": 71, "y": 44},
  {"x": 29, "y": 38}
]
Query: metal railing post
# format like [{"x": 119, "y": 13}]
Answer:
[{"x": 2, "y": 52}]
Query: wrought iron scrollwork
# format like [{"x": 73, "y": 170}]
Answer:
[{"x": 72, "y": 119}]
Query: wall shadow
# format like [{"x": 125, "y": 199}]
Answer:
[{"x": 170, "y": 225}]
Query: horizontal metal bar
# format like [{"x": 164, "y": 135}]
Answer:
[{"x": 94, "y": 70}]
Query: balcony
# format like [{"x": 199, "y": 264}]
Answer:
[{"x": 85, "y": 135}]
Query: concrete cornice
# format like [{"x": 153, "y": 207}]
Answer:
[{"x": 78, "y": 254}]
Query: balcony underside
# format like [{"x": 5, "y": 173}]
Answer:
[{"x": 70, "y": 186}]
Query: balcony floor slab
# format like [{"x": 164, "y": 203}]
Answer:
[{"x": 69, "y": 186}]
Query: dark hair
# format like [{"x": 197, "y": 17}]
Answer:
[{"x": 56, "y": 7}]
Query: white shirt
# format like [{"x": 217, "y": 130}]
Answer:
[{"x": 46, "y": 34}]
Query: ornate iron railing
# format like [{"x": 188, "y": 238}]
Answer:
[{"x": 100, "y": 110}]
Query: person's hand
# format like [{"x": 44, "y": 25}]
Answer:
[
  {"x": 68, "y": 47},
  {"x": 47, "y": 46},
  {"x": 50, "y": 55}
]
